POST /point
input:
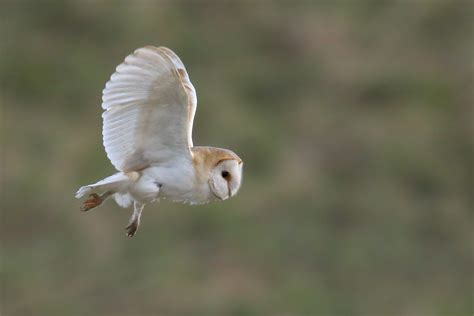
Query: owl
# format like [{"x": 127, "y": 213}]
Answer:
[{"x": 149, "y": 105}]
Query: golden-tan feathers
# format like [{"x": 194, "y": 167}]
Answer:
[{"x": 205, "y": 158}]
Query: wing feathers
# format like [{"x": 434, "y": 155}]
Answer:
[{"x": 150, "y": 105}]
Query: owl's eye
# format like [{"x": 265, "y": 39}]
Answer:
[{"x": 225, "y": 174}]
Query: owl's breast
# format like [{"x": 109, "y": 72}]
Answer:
[{"x": 179, "y": 183}]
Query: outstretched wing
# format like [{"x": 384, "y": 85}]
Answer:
[{"x": 149, "y": 105}]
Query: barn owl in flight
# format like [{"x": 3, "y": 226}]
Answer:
[{"x": 149, "y": 105}]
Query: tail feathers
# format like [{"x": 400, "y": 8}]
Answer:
[
  {"x": 114, "y": 183},
  {"x": 123, "y": 199},
  {"x": 83, "y": 191}
]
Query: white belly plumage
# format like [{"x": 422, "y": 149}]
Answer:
[{"x": 177, "y": 184}]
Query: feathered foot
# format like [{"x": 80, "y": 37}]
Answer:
[
  {"x": 134, "y": 219},
  {"x": 94, "y": 200}
]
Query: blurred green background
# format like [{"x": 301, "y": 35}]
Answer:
[{"x": 355, "y": 122}]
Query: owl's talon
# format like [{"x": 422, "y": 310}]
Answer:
[
  {"x": 132, "y": 228},
  {"x": 94, "y": 200}
]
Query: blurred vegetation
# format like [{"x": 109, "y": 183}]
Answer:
[{"x": 355, "y": 122}]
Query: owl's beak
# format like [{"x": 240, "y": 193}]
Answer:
[{"x": 230, "y": 191}]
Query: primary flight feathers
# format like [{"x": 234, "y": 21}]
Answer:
[{"x": 149, "y": 105}]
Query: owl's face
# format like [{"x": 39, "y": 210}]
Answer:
[{"x": 225, "y": 178}]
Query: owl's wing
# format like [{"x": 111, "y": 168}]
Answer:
[{"x": 149, "y": 105}]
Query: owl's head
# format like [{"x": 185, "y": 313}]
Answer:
[
  {"x": 225, "y": 178},
  {"x": 219, "y": 170}
]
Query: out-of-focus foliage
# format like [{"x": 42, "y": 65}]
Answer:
[{"x": 354, "y": 119}]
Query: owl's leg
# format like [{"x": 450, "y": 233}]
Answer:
[
  {"x": 94, "y": 200},
  {"x": 134, "y": 219}
]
